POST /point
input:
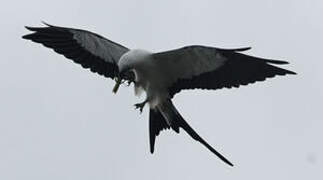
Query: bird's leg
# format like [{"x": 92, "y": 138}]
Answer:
[{"x": 140, "y": 106}]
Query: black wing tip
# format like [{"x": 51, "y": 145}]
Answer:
[
  {"x": 242, "y": 49},
  {"x": 45, "y": 23},
  {"x": 235, "y": 49},
  {"x": 277, "y": 62},
  {"x": 27, "y": 36},
  {"x": 291, "y": 72},
  {"x": 36, "y": 30},
  {"x": 30, "y": 28},
  {"x": 31, "y": 35},
  {"x": 282, "y": 72}
]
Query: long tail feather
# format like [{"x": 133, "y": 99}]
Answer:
[
  {"x": 156, "y": 124},
  {"x": 176, "y": 121}
]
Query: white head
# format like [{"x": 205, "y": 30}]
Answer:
[{"x": 131, "y": 59}]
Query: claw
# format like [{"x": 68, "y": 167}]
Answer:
[
  {"x": 140, "y": 106},
  {"x": 128, "y": 83}
]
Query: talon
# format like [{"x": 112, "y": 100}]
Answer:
[
  {"x": 128, "y": 83},
  {"x": 140, "y": 106}
]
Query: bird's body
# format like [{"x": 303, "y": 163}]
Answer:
[
  {"x": 160, "y": 75},
  {"x": 140, "y": 63},
  {"x": 148, "y": 76}
]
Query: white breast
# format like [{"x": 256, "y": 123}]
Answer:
[{"x": 147, "y": 74}]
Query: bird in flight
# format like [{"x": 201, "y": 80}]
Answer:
[{"x": 160, "y": 75}]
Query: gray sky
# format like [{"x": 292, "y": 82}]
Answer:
[{"x": 59, "y": 121}]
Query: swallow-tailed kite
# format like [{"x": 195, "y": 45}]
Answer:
[{"x": 161, "y": 75}]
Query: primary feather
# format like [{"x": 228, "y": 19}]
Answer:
[{"x": 88, "y": 49}]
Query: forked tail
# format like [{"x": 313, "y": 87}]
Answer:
[{"x": 166, "y": 116}]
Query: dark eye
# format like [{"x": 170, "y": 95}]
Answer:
[{"x": 124, "y": 71}]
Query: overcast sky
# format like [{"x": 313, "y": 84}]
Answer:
[{"x": 60, "y": 121}]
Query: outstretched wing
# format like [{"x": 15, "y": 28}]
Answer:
[
  {"x": 213, "y": 68},
  {"x": 88, "y": 49}
]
